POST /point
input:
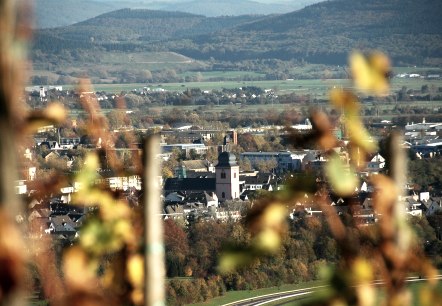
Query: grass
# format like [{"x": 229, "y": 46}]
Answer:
[
  {"x": 397, "y": 70},
  {"x": 301, "y": 87},
  {"x": 415, "y": 288},
  {"x": 208, "y": 75},
  {"x": 258, "y": 109},
  {"x": 143, "y": 57},
  {"x": 316, "y": 88},
  {"x": 112, "y": 61},
  {"x": 232, "y": 296}
]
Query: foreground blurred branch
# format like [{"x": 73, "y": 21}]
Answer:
[
  {"x": 10, "y": 82},
  {"x": 154, "y": 259},
  {"x": 12, "y": 37}
]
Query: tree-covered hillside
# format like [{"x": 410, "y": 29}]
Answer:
[
  {"x": 56, "y": 13},
  {"x": 409, "y": 31},
  {"x": 127, "y": 25}
]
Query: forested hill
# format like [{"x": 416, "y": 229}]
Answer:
[
  {"x": 56, "y": 13},
  {"x": 133, "y": 26},
  {"x": 410, "y": 31}
]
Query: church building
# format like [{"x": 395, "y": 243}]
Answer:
[{"x": 225, "y": 183}]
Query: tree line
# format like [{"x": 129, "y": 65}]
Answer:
[{"x": 192, "y": 255}]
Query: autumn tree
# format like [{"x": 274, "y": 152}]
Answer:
[{"x": 177, "y": 248}]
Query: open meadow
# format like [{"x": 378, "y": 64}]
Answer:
[
  {"x": 232, "y": 296},
  {"x": 318, "y": 87}
]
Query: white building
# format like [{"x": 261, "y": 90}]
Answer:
[
  {"x": 286, "y": 161},
  {"x": 227, "y": 177}
]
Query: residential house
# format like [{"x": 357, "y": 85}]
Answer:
[
  {"x": 286, "y": 161},
  {"x": 224, "y": 214},
  {"x": 185, "y": 148},
  {"x": 119, "y": 182},
  {"x": 173, "y": 212},
  {"x": 175, "y": 198},
  {"x": 188, "y": 185},
  {"x": 21, "y": 187},
  {"x": 63, "y": 225},
  {"x": 431, "y": 205},
  {"x": 258, "y": 181},
  {"x": 412, "y": 207},
  {"x": 376, "y": 164},
  {"x": 202, "y": 198},
  {"x": 69, "y": 142}
]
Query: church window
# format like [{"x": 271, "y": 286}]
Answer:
[
  {"x": 223, "y": 195},
  {"x": 223, "y": 175}
]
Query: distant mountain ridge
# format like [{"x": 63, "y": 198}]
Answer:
[
  {"x": 213, "y": 8},
  {"x": 56, "y": 13},
  {"x": 409, "y": 31},
  {"x": 138, "y": 26}
]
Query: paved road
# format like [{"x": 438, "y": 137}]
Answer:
[
  {"x": 264, "y": 299},
  {"x": 299, "y": 294}
]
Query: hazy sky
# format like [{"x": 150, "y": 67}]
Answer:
[{"x": 262, "y": 1}]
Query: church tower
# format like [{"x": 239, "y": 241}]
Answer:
[{"x": 227, "y": 177}]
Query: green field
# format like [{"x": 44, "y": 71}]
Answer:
[
  {"x": 299, "y": 86},
  {"x": 233, "y": 296},
  {"x": 112, "y": 61},
  {"x": 145, "y": 60},
  {"x": 397, "y": 70},
  {"x": 208, "y": 75},
  {"x": 316, "y": 87}
]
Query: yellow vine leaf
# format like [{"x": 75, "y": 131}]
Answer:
[
  {"x": 342, "y": 178},
  {"x": 135, "y": 271},
  {"x": 370, "y": 73},
  {"x": 346, "y": 100},
  {"x": 268, "y": 240},
  {"x": 56, "y": 112},
  {"x": 230, "y": 261},
  {"x": 79, "y": 271},
  {"x": 359, "y": 135},
  {"x": 362, "y": 270}
]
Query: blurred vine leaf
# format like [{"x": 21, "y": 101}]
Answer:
[
  {"x": 357, "y": 133},
  {"x": 12, "y": 258},
  {"x": 388, "y": 248},
  {"x": 111, "y": 229},
  {"x": 342, "y": 178},
  {"x": 79, "y": 271},
  {"x": 135, "y": 275},
  {"x": 54, "y": 114},
  {"x": 371, "y": 72},
  {"x": 266, "y": 223}
]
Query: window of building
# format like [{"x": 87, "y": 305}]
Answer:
[
  {"x": 223, "y": 195},
  {"x": 234, "y": 175},
  {"x": 223, "y": 175}
]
